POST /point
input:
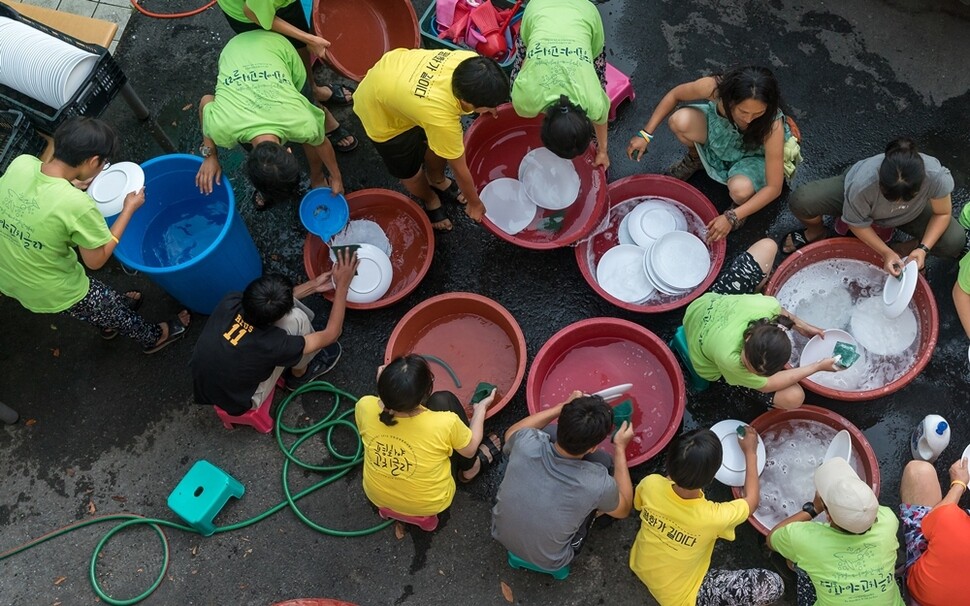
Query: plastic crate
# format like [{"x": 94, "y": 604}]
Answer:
[
  {"x": 91, "y": 99},
  {"x": 17, "y": 137},
  {"x": 430, "y": 39}
]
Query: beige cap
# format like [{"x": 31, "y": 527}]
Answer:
[{"x": 849, "y": 501}]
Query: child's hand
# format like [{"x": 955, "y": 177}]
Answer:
[
  {"x": 485, "y": 402},
  {"x": 623, "y": 435},
  {"x": 135, "y": 199},
  {"x": 324, "y": 282},
  {"x": 209, "y": 171},
  {"x": 636, "y": 148},
  {"x": 958, "y": 471},
  {"x": 749, "y": 443},
  {"x": 344, "y": 269},
  {"x": 475, "y": 211}
]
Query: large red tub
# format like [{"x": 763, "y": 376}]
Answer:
[
  {"x": 597, "y": 353},
  {"x": 494, "y": 147},
  {"x": 589, "y": 252},
  {"x": 406, "y": 226},
  {"x": 361, "y": 31},
  {"x": 925, "y": 304},
  {"x": 478, "y": 338},
  {"x": 778, "y": 419}
]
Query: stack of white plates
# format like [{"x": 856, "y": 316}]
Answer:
[
  {"x": 41, "y": 66},
  {"x": 677, "y": 262},
  {"x": 648, "y": 221},
  {"x": 620, "y": 273}
]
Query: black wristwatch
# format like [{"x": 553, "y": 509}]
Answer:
[
  {"x": 923, "y": 248},
  {"x": 809, "y": 508}
]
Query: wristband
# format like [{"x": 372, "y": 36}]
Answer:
[
  {"x": 115, "y": 238},
  {"x": 926, "y": 249},
  {"x": 809, "y": 508},
  {"x": 958, "y": 482},
  {"x": 646, "y": 136},
  {"x": 732, "y": 218}
]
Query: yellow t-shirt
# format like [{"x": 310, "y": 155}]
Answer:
[
  {"x": 409, "y": 88},
  {"x": 672, "y": 551},
  {"x": 406, "y": 465}
]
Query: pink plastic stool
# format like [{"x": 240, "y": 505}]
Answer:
[
  {"x": 885, "y": 233},
  {"x": 258, "y": 419},
  {"x": 425, "y": 523},
  {"x": 618, "y": 89}
]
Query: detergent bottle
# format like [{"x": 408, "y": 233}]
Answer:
[{"x": 930, "y": 438}]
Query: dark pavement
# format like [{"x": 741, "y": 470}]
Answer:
[{"x": 106, "y": 429}]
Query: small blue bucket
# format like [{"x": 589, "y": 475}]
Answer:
[
  {"x": 194, "y": 246},
  {"x": 324, "y": 214}
]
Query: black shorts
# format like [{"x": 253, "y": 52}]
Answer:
[
  {"x": 292, "y": 14},
  {"x": 741, "y": 277},
  {"x": 403, "y": 155}
]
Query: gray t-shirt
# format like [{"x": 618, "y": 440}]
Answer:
[
  {"x": 545, "y": 498},
  {"x": 865, "y": 204}
]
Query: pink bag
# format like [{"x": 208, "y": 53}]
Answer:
[{"x": 445, "y": 11}]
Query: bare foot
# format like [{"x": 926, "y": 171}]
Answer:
[{"x": 184, "y": 317}]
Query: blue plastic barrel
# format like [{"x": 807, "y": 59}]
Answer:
[{"x": 194, "y": 246}]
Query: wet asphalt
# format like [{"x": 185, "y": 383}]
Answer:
[{"x": 106, "y": 429}]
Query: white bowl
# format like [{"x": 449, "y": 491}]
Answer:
[
  {"x": 732, "y": 467},
  {"x": 374, "y": 275},
  {"x": 840, "y": 446}
]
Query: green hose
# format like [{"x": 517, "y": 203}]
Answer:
[{"x": 331, "y": 422}]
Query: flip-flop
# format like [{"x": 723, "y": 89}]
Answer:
[
  {"x": 338, "y": 96},
  {"x": 450, "y": 194},
  {"x": 259, "y": 202},
  {"x": 340, "y": 133},
  {"x": 437, "y": 215},
  {"x": 797, "y": 239},
  {"x": 176, "y": 330},
  {"x": 134, "y": 304},
  {"x": 488, "y": 452}
]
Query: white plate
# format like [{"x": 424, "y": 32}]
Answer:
[
  {"x": 966, "y": 453},
  {"x": 507, "y": 206},
  {"x": 881, "y": 335},
  {"x": 680, "y": 259},
  {"x": 623, "y": 232},
  {"x": 361, "y": 231},
  {"x": 898, "y": 292},
  {"x": 840, "y": 446},
  {"x": 374, "y": 275},
  {"x": 659, "y": 284},
  {"x": 732, "y": 467},
  {"x": 620, "y": 273},
  {"x": 818, "y": 349},
  {"x": 550, "y": 181},
  {"x": 611, "y": 393},
  {"x": 110, "y": 188}
]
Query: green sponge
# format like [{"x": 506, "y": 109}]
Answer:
[
  {"x": 846, "y": 353},
  {"x": 482, "y": 391},
  {"x": 622, "y": 412}
]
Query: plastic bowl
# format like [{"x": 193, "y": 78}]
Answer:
[
  {"x": 406, "y": 226},
  {"x": 860, "y": 445},
  {"x": 589, "y": 252},
  {"x": 926, "y": 312},
  {"x": 361, "y": 31},
  {"x": 601, "y": 352},
  {"x": 322, "y": 213},
  {"x": 478, "y": 338},
  {"x": 494, "y": 147}
]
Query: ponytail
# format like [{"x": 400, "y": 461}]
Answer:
[
  {"x": 566, "y": 130},
  {"x": 387, "y": 417},
  {"x": 767, "y": 346}
]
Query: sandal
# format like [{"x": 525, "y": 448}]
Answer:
[
  {"x": 176, "y": 330},
  {"x": 259, "y": 202},
  {"x": 795, "y": 240},
  {"x": 438, "y": 216},
  {"x": 340, "y": 133},
  {"x": 450, "y": 194},
  {"x": 134, "y": 304},
  {"x": 489, "y": 451},
  {"x": 338, "y": 94}
]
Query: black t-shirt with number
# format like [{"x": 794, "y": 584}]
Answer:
[{"x": 232, "y": 357}]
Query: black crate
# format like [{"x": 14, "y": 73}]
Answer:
[
  {"x": 17, "y": 137},
  {"x": 91, "y": 99}
]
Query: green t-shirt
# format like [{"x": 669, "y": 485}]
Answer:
[
  {"x": 42, "y": 219},
  {"x": 562, "y": 38},
  {"x": 845, "y": 568},
  {"x": 714, "y": 326},
  {"x": 963, "y": 278},
  {"x": 258, "y": 93},
  {"x": 265, "y": 10}
]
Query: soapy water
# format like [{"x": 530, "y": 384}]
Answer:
[
  {"x": 609, "y": 231},
  {"x": 825, "y": 295},
  {"x": 362, "y": 231},
  {"x": 182, "y": 231},
  {"x": 793, "y": 451}
]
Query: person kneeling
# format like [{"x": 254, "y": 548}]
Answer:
[{"x": 253, "y": 336}]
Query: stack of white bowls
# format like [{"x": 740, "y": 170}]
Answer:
[
  {"x": 41, "y": 66},
  {"x": 545, "y": 181},
  {"x": 656, "y": 255}
]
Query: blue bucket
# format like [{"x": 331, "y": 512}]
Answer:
[{"x": 194, "y": 246}]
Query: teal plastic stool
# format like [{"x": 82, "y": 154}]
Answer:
[
  {"x": 679, "y": 345},
  {"x": 518, "y": 564},
  {"x": 202, "y": 494}
]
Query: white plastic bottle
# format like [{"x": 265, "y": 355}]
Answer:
[{"x": 930, "y": 438}]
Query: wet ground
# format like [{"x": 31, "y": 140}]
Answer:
[{"x": 106, "y": 429}]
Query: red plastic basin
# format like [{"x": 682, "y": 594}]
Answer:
[
  {"x": 313, "y": 602},
  {"x": 494, "y": 147},
  {"x": 597, "y": 353},
  {"x": 406, "y": 226},
  {"x": 778, "y": 418},
  {"x": 926, "y": 312},
  {"x": 361, "y": 31},
  {"x": 478, "y": 338},
  {"x": 589, "y": 252}
]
